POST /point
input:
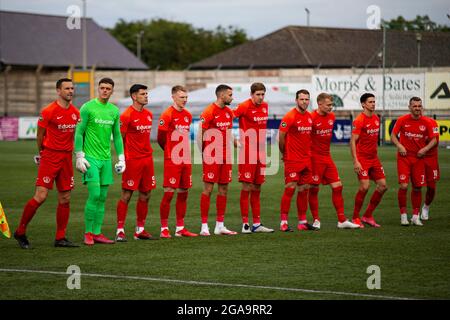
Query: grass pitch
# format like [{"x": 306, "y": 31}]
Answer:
[{"x": 414, "y": 261}]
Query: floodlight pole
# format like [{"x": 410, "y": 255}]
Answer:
[
  {"x": 84, "y": 36},
  {"x": 383, "y": 25},
  {"x": 307, "y": 17},
  {"x": 139, "y": 43}
]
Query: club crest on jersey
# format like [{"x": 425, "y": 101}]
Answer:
[
  {"x": 309, "y": 120},
  {"x": 227, "y": 115},
  {"x": 377, "y": 123},
  {"x": 293, "y": 175},
  {"x": 330, "y": 122},
  {"x": 315, "y": 178},
  {"x": 186, "y": 119},
  {"x": 422, "y": 128},
  {"x": 46, "y": 179},
  {"x": 149, "y": 118},
  {"x": 74, "y": 116},
  {"x": 402, "y": 177},
  {"x": 264, "y": 110},
  {"x": 248, "y": 175},
  {"x": 130, "y": 183},
  {"x": 161, "y": 122},
  {"x": 210, "y": 175},
  {"x": 172, "y": 180},
  {"x": 364, "y": 173}
]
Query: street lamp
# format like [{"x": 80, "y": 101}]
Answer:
[
  {"x": 307, "y": 16},
  {"x": 418, "y": 39},
  {"x": 139, "y": 42}
]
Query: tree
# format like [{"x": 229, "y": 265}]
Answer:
[
  {"x": 420, "y": 23},
  {"x": 169, "y": 45}
]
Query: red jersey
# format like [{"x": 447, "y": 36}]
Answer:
[
  {"x": 298, "y": 129},
  {"x": 322, "y": 132},
  {"x": 253, "y": 118},
  {"x": 136, "y": 127},
  {"x": 434, "y": 151},
  {"x": 414, "y": 133},
  {"x": 60, "y": 126},
  {"x": 177, "y": 125},
  {"x": 368, "y": 129},
  {"x": 221, "y": 119}
]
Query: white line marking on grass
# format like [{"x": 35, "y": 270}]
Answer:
[{"x": 216, "y": 284}]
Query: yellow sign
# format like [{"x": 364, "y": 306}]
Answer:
[
  {"x": 81, "y": 76},
  {"x": 444, "y": 129},
  {"x": 4, "y": 228},
  {"x": 437, "y": 90}
]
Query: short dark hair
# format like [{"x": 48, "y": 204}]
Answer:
[
  {"x": 222, "y": 87},
  {"x": 136, "y": 87},
  {"x": 257, "y": 86},
  {"x": 177, "y": 88},
  {"x": 60, "y": 82},
  {"x": 107, "y": 81},
  {"x": 414, "y": 99},
  {"x": 366, "y": 96},
  {"x": 303, "y": 91}
]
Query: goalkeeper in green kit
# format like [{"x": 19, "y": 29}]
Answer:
[{"x": 99, "y": 119}]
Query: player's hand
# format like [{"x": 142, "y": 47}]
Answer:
[
  {"x": 37, "y": 159},
  {"x": 120, "y": 165},
  {"x": 81, "y": 164},
  {"x": 401, "y": 149},
  {"x": 421, "y": 153},
  {"x": 357, "y": 166}
]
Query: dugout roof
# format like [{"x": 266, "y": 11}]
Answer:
[
  {"x": 36, "y": 39},
  {"x": 313, "y": 47}
]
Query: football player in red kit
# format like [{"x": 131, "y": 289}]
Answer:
[
  {"x": 253, "y": 115},
  {"x": 55, "y": 141},
  {"x": 135, "y": 126},
  {"x": 364, "y": 146},
  {"x": 173, "y": 138},
  {"x": 324, "y": 170},
  {"x": 416, "y": 139}
]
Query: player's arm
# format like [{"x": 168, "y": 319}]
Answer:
[
  {"x": 401, "y": 149},
  {"x": 282, "y": 141},
  {"x": 162, "y": 137},
  {"x": 81, "y": 163},
  {"x": 118, "y": 145},
  {"x": 427, "y": 148},
  {"x": 356, "y": 164}
]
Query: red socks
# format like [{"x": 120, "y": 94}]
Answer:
[
  {"x": 359, "y": 200},
  {"x": 62, "y": 219},
  {"x": 402, "y": 200},
  {"x": 164, "y": 209},
  {"x": 314, "y": 202},
  {"x": 181, "y": 206},
  {"x": 141, "y": 213},
  {"x": 28, "y": 213},
  {"x": 431, "y": 191},
  {"x": 302, "y": 204},
  {"x": 221, "y": 204},
  {"x": 286, "y": 202},
  {"x": 416, "y": 199},
  {"x": 256, "y": 206},
  {"x": 244, "y": 205},
  {"x": 122, "y": 209},
  {"x": 338, "y": 202},
  {"x": 374, "y": 201},
  {"x": 204, "y": 207}
]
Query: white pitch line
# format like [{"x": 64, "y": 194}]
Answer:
[{"x": 204, "y": 283}]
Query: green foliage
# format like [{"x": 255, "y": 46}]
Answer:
[
  {"x": 169, "y": 45},
  {"x": 420, "y": 23}
]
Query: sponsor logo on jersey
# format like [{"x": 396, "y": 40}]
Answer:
[
  {"x": 258, "y": 119},
  {"x": 66, "y": 126},
  {"x": 104, "y": 122},
  {"x": 413, "y": 135},
  {"x": 142, "y": 128}
]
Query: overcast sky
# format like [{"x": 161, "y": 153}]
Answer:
[{"x": 256, "y": 17}]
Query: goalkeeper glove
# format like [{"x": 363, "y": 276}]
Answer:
[
  {"x": 120, "y": 165},
  {"x": 82, "y": 164}
]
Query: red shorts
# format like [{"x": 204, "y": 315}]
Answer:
[
  {"x": 177, "y": 175},
  {"x": 298, "y": 171},
  {"x": 432, "y": 172},
  {"x": 371, "y": 169},
  {"x": 252, "y": 173},
  {"x": 411, "y": 167},
  {"x": 324, "y": 171},
  {"x": 139, "y": 175},
  {"x": 217, "y": 173},
  {"x": 55, "y": 166}
]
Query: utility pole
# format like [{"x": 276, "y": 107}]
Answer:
[{"x": 139, "y": 43}]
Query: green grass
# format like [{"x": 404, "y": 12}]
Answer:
[{"x": 414, "y": 261}]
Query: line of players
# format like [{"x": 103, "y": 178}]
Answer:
[{"x": 304, "y": 142}]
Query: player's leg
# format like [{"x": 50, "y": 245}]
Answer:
[
  {"x": 331, "y": 177},
  {"x": 244, "y": 205},
  {"x": 403, "y": 172},
  {"x": 221, "y": 205},
  {"x": 291, "y": 177},
  {"x": 418, "y": 181},
  {"x": 302, "y": 207},
  {"x": 147, "y": 183},
  {"x": 172, "y": 174},
  {"x": 255, "y": 200},
  {"x": 106, "y": 179},
  {"x": 181, "y": 204},
  {"x": 205, "y": 200},
  {"x": 122, "y": 210},
  {"x": 380, "y": 189},
  {"x": 364, "y": 184},
  {"x": 313, "y": 200},
  {"x": 432, "y": 174},
  {"x": 40, "y": 195}
]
